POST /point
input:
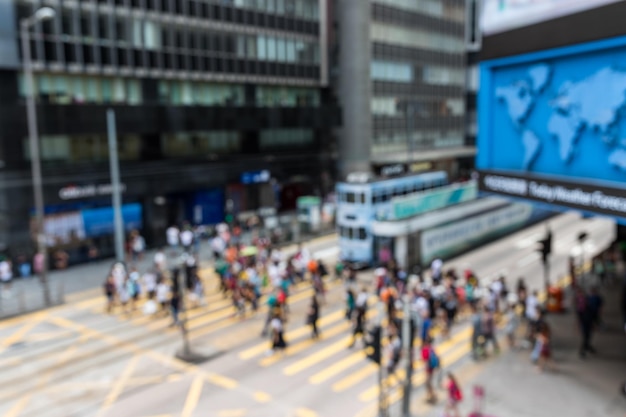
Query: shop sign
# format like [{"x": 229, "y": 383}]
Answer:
[
  {"x": 420, "y": 166},
  {"x": 74, "y": 192},
  {"x": 255, "y": 177},
  {"x": 391, "y": 170}
]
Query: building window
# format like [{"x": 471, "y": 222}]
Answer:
[
  {"x": 391, "y": 71},
  {"x": 417, "y": 38},
  {"x": 267, "y": 96},
  {"x": 68, "y": 89},
  {"x": 200, "y": 144},
  {"x": 84, "y": 148},
  {"x": 285, "y": 138},
  {"x": 189, "y": 93}
]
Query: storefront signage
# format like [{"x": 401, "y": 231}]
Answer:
[
  {"x": 390, "y": 170},
  {"x": 587, "y": 197},
  {"x": 420, "y": 166},
  {"x": 74, "y": 192},
  {"x": 255, "y": 177}
]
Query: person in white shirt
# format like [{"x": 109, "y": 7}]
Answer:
[
  {"x": 275, "y": 274},
  {"x": 532, "y": 302},
  {"x": 435, "y": 269},
  {"x": 160, "y": 260},
  {"x": 162, "y": 295},
  {"x": 150, "y": 283},
  {"x": 218, "y": 245},
  {"x": 186, "y": 239},
  {"x": 6, "y": 275},
  {"x": 172, "y": 234}
]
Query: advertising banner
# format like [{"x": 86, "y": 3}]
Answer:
[
  {"x": 553, "y": 123},
  {"x": 456, "y": 237},
  {"x": 404, "y": 207}
]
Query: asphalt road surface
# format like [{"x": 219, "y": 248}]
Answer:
[{"x": 76, "y": 360}]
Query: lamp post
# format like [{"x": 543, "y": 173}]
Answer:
[{"x": 44, "y": 13}]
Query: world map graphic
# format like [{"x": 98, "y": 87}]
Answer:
[{"x": 559, "y": 114}]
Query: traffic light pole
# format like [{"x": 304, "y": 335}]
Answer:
[
  {"x": 406, "y": 341},
  {"x": 382, "y": 394}
]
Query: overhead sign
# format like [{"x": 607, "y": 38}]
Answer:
[
  {"x": 73, "y": 192},
  {"x": 503, "y": 15},
  {"x": 552, "y": 126},
  {"x": 391, "y": 170}
]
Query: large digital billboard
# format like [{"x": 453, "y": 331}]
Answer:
[
  {"x": 552, "y": 126},
  {"x": 502, "y": 15}
]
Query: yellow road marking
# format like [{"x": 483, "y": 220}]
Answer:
[
  {"x": 63, "y": 357},
  {"x": 40, "y": 337},
  {"x": 118, "y": 388},
  {"x": 337, "y": 368},
  {"x": 238, "y": 412},
  {"x": 292, "y": 334},
  {"x": 260, "y": 348},
  {"x": 193, "y": 396},
  {"x": 305, "y": 412},
  {"x": 368, "y": 369},
  {"x": 221, "y": 381},
  {"x": 317, "y": 357},
  {"x": 19, "y": 406},
  {"x": 18, "y": 335},
  {"x": 299, "y": 347},
  {"x": 448, "y": 357},
  {"x": 262, "y": 397}
]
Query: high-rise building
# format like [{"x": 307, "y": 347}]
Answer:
[
  {"x": 220, "y": 105},
  {"x": 401, "y": 80}
]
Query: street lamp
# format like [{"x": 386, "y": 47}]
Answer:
[{"x": 44, "y": 13}]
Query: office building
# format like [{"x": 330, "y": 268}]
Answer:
[
  {"x": 220, "y": 105},
  {"x": 401, "y": 77}
]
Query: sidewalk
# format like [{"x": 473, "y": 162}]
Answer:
[
  {"x": 84, "y": 281},
  {"x": 575, "y": 388}
]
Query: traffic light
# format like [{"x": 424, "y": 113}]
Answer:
[
  {"x": 545, "y": 246},
  {"x": 372, "y": 344}
]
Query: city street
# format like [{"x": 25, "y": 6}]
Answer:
[{"x": 75, "y": 360}]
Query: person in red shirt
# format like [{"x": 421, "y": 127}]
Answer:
[
  {"x": 432, "y": 365},
  {"x": 454, "y": 397}
]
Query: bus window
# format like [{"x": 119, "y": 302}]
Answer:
[
  {"x": 362, "y": 233},
  {"x": 350, "y": 233},
  {"x": 361, "y": 198},
  {"x": 350, "y": 198}
]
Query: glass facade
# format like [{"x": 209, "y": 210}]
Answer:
[
  {"x": 285, "y": 138},
  {"x": 418, "y": 75}
]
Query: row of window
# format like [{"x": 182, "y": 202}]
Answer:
[
  {"x": 404, "y": 72},
  {"x": 94, "y": 148},
  {"x": 436, "y": 8},
  {"x": 268, "y": 96},
  {"x": 416, "y": 38},
  {"x": 420, "y": 107},
  {"x": 353, "y": 233},
  {"x": 305, "y": 9},
  {"x": 61, "y": 89},
  {"x": 150, "y": 35},
  {"x": 188, "y": 93}
]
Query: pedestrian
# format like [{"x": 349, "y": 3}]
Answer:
[
  {"x": 175, "y": 304},
  {"x": 186, "y": 239},
  {"x": 476, "y": 321},
  {"x": 137, "y": 246},
  {"x": 595, "y": 303},
  {"x": 489, "y": 330},
  {"x": 585, "y": 321},
  {"x": 6, "y": 275},
  {"x": 395, "y": 350},
  {"x": 272, "y": 303},
  {"x": 358, "y": 323},
  {"x": 455, "y": 396},
  {"x": 350, "y": 303},
  {"x": 431, "y": 359},
  {"x": 512, "y": 315},
  {"x": 172, "y": 234},
  {"x": 162, "y": 294},
  {"x": 312, "y": 317},
  {"x": 160, "y": 260},
  {"x": 544, "y": 353},
  {"x": 109, "y": 292},
  {"x": 278, "y": 337}
]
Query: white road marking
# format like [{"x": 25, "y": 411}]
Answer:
[
  {"x": 528, "y": 259},
  {"x": 327, "y": 253}
]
